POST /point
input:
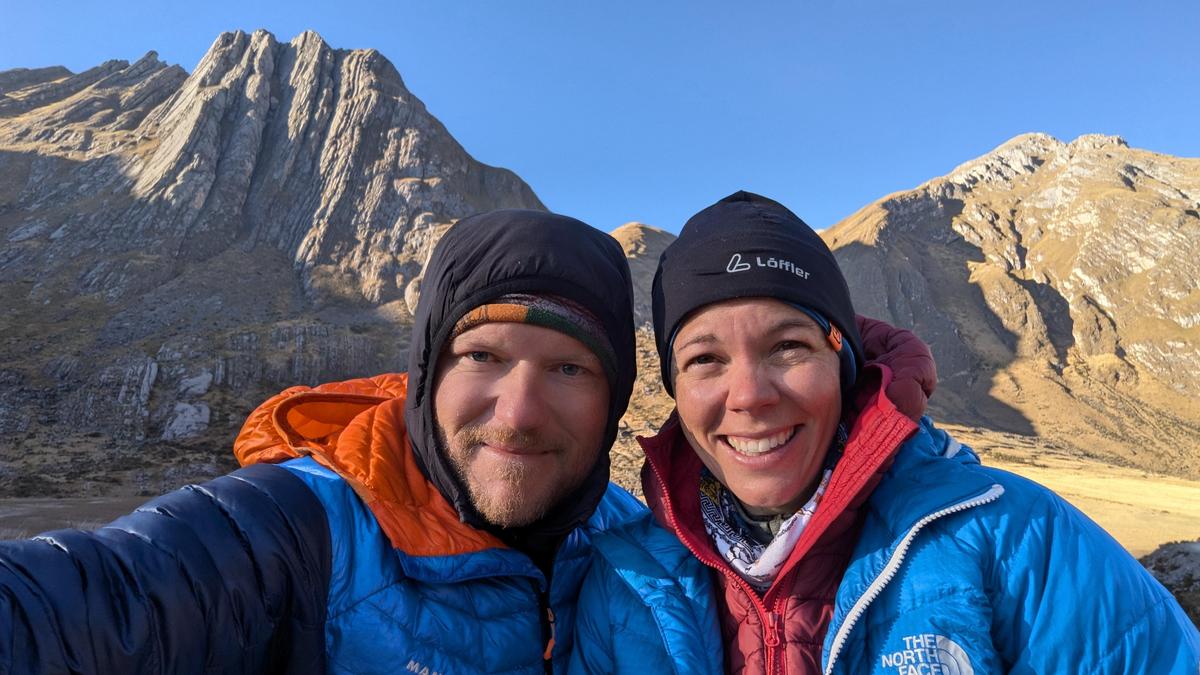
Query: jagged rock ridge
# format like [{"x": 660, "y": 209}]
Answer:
[{"x": 176, "y": 246}]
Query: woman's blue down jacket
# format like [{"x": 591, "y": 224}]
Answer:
[{"x": 959, "y": 569}]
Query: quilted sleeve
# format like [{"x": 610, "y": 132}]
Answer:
[
  {"x": 593, "y": 650},
  {"x": 228, "y": 576},
  {"x": 1070, "y": 599},
  {"x": 914, "y": 374},
  {"x": 646, "y": 606}
]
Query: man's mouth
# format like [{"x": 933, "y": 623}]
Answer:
[
  {"x": 511, "y": 449},
  {"x": 758, "y": 446},
  {"x": 501, "y": 439}
]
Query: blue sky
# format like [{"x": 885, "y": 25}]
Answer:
[{"x": 619, "y": 111}]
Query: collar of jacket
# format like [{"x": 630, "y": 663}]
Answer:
[
  {"x": 356, "y": 429},
  {"x": 931, "y": 472},
  {"x": 671, "y": 473}
]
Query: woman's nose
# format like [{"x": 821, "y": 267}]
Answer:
[{"x": 750, "y": 388}]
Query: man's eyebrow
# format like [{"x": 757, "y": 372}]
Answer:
[
  {"x": 570, "y": 354},
  {"x": 475, "y": 343}
]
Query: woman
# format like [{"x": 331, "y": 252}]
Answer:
[{"x": 802, "y": 524}]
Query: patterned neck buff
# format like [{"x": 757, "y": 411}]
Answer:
[{"x": 739, "y": 541}]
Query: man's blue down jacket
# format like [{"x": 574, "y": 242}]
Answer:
[
  {"x": 277, "y": 569},
  {"x": 959, "y": 569}
]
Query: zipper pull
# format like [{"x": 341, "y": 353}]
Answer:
[
  {"x": 772, "y": 636},
  {"x": 550, "y": 640}
]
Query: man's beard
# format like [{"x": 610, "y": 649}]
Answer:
[{"x": 512, "y": 494}]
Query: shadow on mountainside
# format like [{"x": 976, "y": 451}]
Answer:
[
  {"x": 128, "y": 367},
  {"x": 920, "y": 279}
]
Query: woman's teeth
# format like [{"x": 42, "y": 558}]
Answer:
[{"x": 757, "y": 446}]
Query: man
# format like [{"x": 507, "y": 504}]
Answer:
[{"x": 435, "y": 522}]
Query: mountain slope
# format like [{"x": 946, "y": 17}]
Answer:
[
  {"x": 173, "y": 247},
  {"x": 1058, "y": 286}
]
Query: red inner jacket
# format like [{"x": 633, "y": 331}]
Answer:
[{"x": 782, "y": 630}]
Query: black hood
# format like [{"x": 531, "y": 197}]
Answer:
[{"x": 492, "y": 254}]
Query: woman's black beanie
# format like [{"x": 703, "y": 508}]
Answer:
[{"x": 748, "y": 246}]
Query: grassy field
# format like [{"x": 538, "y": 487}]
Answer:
[{"x": 1139, "y": 509}]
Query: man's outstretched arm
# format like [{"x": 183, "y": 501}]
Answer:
[{"x": 228, "y": 576}]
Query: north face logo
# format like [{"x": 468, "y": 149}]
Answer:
[{"x": 928, "y": 654}]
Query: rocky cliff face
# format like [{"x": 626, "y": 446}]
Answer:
[
  {"x": 173, "y": 247},
  {"x": 1058, "y": 286}
]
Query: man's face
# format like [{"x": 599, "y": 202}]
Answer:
[{"x": 521, "y": 412}]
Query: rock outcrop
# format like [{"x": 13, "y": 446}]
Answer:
[
  {"x": 173, "y": 247},
  {"x": 1177, "y": 566},
  {"x": 1057, "y": 284},
  {"x": 643, "y": 244}
]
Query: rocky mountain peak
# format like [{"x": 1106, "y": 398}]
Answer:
[
  {"x": 321, "y": 154},
  {"x": 1099, "y": 141},
  {"x": 174, "y": 246},
  {"x": 1048, "y": 277},
  {"x": 1020, "y": 156}
]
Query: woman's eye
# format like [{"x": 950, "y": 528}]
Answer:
[
  {"x": 700, "y": 360},
  {"x": 479, "y": 357},
  {"x": 570, "y": 369},
  {"x": 789, "y": 345}
]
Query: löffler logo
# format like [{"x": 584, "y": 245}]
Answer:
[{"x": 736, "y": 264}]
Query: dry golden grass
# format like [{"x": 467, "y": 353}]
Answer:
[{"x": 1141, "y": 510}]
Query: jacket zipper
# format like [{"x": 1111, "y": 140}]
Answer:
[
  {"x": 893, "y": 566},
  {"x": 772, "y": 641},
  {"x": 546, "y": 618},
  {"x": 770, "y": 620}
]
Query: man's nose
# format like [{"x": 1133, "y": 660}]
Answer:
[
  {"x": 521, "y": 399},
  {"x": 749, "y": 387}
]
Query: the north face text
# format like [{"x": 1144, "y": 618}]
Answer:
[{"x": 927, "y": 654}]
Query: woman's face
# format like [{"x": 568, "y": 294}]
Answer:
[{"x": 758, "y": 394}]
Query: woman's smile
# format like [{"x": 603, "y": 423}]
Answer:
[{"x": 753, "y": 446}]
